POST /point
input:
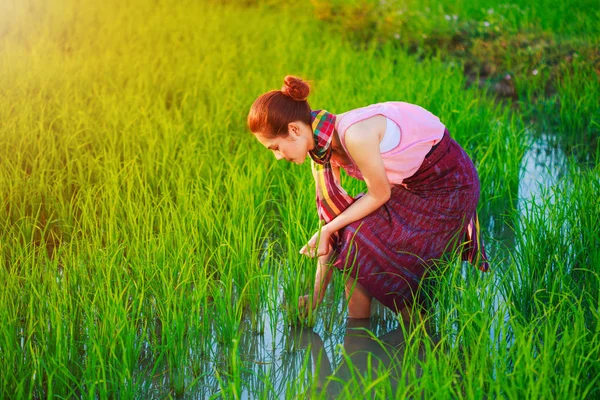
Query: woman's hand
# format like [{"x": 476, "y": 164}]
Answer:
[
  {"x": 306, "y": 304},
  {"x": 318, "y": 245}
]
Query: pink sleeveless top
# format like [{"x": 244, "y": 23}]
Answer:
[{"x": 420, "y": 130}]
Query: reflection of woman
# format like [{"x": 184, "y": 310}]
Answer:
[
  {"x": 422, "y": 191},
  {"x": 365, "y": 355}
]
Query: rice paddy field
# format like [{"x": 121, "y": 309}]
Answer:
[{"x": 149, "y": 244}]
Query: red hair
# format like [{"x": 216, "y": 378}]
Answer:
[{"x": 271, "y": 113}]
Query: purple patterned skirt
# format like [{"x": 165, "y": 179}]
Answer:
[{"x": 391, "y": 249}]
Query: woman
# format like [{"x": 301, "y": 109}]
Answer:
[{"x": 421, "y": 199}]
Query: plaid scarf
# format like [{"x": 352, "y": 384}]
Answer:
[{"x": 331, "y": 198}]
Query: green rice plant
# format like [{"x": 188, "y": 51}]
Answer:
[
  {"x": 459, "y": 361},
  {"x": 227, "y": 313},
  {"x": 578, "y": 109},
  {"x": 273, "y": 308},
  {"x": 230, "y": 388},
  {"x": 296, "y": 271},
  {"x": 106, "y": 328},
  {"x": 497, "y": 182},
  {"x": 585, "y": 250},
  {"x": 556, "y": 245},
  {"x": 184, "y": 322},
  {"x": 568, "y": 108},
  {"x": 553, "y": 350}
]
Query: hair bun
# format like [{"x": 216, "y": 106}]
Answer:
[{"x": 295, "y": 87}]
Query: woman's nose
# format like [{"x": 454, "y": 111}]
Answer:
[{"x": 278, "y": 155}]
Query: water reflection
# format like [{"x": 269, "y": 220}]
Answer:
[
  {"x": 292, "y": 359},
  {"x": 363, "y": 354},
  {"x": 542, "y": 167}
]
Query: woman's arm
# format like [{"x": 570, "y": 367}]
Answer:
[
  {"x": 364, "y": 150},
  {"x": 362, "y": 143},
  {"x": 322, "y": 279}
]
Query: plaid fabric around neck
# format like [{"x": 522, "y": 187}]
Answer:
[{"x": 331, "y": 198}]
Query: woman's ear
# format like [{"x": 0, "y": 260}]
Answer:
[{"x": 294, "y": 128}]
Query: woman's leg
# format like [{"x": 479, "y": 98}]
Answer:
[{"x": 359, "y": 300}]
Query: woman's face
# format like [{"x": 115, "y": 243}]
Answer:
[{"x": 294, "y": 147}]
